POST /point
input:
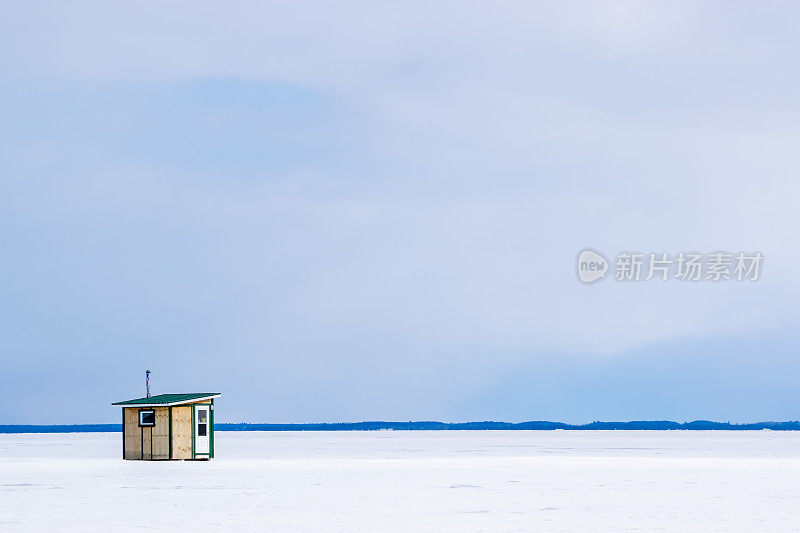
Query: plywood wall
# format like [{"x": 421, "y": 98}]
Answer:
[
  {"x": 160, "y": 434},
  {"x": 147, "y": 443},
  {"x": 182, "y": 432},
  {"x": 133, "y": 434}
]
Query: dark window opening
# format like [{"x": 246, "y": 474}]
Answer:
[
  {"x": 147, "y": 418},
  {"x": 201, "y": 430}
]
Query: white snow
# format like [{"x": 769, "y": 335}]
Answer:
[{"x": 409, "y": 481}]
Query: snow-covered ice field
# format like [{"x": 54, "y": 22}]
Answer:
[{"x": 410, "y": 481}]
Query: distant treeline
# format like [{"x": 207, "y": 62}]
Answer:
[{"x": 697, "y": 425}]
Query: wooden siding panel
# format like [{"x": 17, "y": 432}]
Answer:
[
  {"x": 147, "y": 443},
  {"x": 133, "y": 434},
  {"x": 161, "y": 434},
  {"x": 182, "y": 432}
]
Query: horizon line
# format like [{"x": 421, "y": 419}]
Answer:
[{"x": 542, "y": 425}]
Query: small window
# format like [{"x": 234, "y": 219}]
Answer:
[
  {"x": 147, "y": 418},
  {"x": 202, "y": 423}
]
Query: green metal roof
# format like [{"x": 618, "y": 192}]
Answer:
[{"x": 169, "y": 399}]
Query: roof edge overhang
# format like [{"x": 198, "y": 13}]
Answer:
[{"x": 171, "y": 404}]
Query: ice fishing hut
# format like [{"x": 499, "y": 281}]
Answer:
[{"x": 168, "y": 426}]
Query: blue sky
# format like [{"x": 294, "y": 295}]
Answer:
[{"x": 372, "y": 212}]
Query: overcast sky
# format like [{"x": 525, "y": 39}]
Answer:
[{"x": 369, "y": 211}]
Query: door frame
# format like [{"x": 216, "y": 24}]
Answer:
[{"x": 210, "y": 453}]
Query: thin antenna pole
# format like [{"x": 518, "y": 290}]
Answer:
[{"x": 147, "y": 379}]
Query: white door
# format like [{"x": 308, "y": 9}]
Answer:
[{"x": 202, "y": 430}]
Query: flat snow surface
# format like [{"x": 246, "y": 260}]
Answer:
[{"x": 409, "y": 481}]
